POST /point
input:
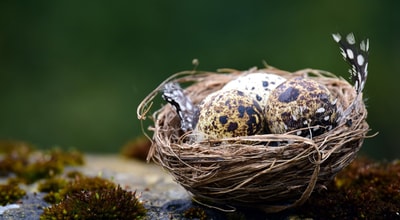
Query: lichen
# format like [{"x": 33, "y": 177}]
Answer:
[{"x": 114, "y": 203}]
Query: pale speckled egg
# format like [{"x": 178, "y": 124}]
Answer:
[
  {"x": 258, "y": 85},
  {"x": 299, "y": 103},
  {"x": 229, "y": 113}
]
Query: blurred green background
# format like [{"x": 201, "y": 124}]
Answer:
[{"x": 72, "y": 73}]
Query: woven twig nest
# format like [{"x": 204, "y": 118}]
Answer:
[{"x": 255, "y": 171}]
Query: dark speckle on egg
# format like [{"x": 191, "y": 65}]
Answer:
[
  {"x": 289, "y": 95},
  {"x": 223, "y": 119},
  {"x": 301, "y": 103},
  {"x": 241, "y": 109},
  {"x": 232, "y": 126}
]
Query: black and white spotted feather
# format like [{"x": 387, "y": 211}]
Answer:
[
  {"x": 186, "y": 110},
  {"x": 357, "y": 56}
]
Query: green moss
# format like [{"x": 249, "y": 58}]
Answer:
[
  {"x": 15, "y": 147},
  {"x": 74, "y": 174},
  {"x": 15, "y": 156},
  {"x": 15, "y": 180},
  {"x": 77, "y": 196},
  {"x": 68, "y": 158},
  {"x": 195, "y": 213},
  {"x": 114, "y": 203},
  {"x": 28, "y": 165},
  {"x": 53, "y": 197},
  {"x": 89, "y": 198},
  {"x": 58, "y": 188},
  {"x": 88, "y": 184},
  {"x": 137, "y": 148},
  {"x": 52, "y": 184},
  {"x": 49, "y": 164},
  {"x": 365, "y": 189},
  {"x": 40, "y": 169},
  {"x": 10, "y": 193},
  {"x": 235, "y": 216}
]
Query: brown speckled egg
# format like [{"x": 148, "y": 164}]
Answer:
[
  {"x": 229, "y": 113},
  {"x": 298, "y": 103}
]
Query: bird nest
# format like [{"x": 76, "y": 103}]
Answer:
[{"x": 272, "y": 172}]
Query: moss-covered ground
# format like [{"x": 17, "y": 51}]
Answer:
[{"x": 366, "y": 189}]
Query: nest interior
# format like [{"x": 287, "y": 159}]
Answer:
[{"x": 272, "y": 172}]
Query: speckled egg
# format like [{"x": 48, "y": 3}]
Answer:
[
  {"x": 229, "y": 113},
  {"x": 258, "y": 85},
  {"x": 300, "y": 103}
]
